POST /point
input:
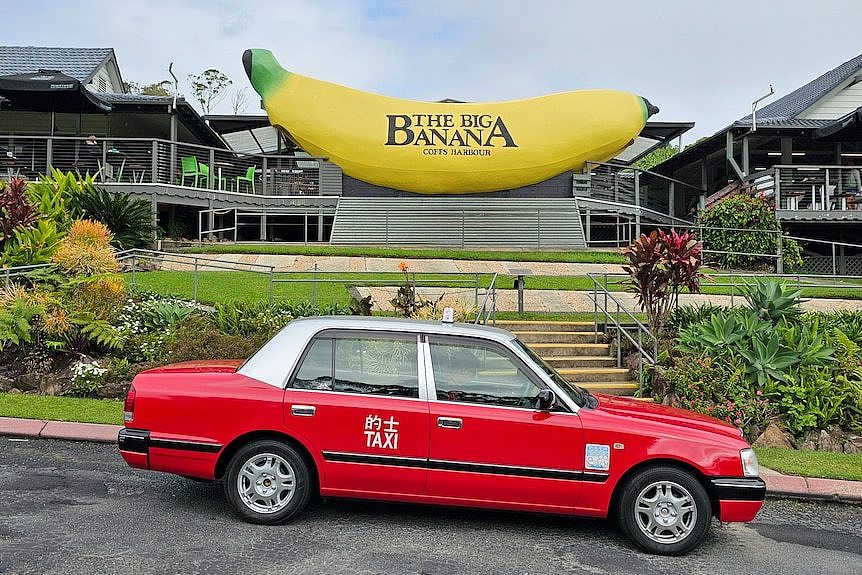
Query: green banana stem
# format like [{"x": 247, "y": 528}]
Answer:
[{"x": 264, "y": 71}]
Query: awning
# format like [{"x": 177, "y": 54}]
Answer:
[
  {"x": 49, "y": 91},
  {"x": 847, "y": 126}
]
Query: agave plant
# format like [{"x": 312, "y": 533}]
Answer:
[
  {"x": 773, "y": 301},
  {"x": 767, "y": 361}
]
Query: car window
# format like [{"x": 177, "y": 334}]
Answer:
[
  {"x": 316, "y": 369},
  {"x": 478, "y": 373},
  {"x": 377, "y": 365}
]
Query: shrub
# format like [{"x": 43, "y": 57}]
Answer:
[
  {"x": 86, "y": 250},
  {"x": 130, "y": 220},
  {"x": 660, "y": 265},
  {"x": 31, "y": 245},
  {"x": 754, "y": 215},
  {"x": 16, "y": 212},
  {"x": 197, "y": 338},
  {"x": 16, "y": 319},
  {"x": 686, "y": 315}
]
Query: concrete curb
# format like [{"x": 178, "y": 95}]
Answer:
[{"x": 777, "y": 485}]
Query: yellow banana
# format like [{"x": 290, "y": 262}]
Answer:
[{"x": 446, "y": 148}]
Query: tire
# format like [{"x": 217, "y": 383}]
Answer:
[
  {"x": 664, "y": 510},
  {"x": 267, "y": 482}
]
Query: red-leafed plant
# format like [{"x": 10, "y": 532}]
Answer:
[
  {"x": 15, "y": 211},
  {"x": 660, "y": 265}
]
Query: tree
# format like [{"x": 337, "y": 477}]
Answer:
[
  {"x": 239, "y": 100},
  {"x": 162, "y": 88},
  {"x": 656, "y": 157},
  {"x": 208, "y": 88}
]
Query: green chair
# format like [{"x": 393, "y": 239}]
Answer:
[
  {"x": 191, "y": 169},
  {"x": 248, "y": 178},
  {"x": 205, "y": 174}
]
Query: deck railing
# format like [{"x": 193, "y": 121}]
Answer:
[
  {"x": 155, "y": 161},
  {"x": 808, "y": 188}
]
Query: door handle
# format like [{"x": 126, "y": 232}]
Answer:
[
  {"x": 449, "y": 422},
  {"x": 302, "y": 410}
]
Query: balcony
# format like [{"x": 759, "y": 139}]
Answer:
[
  {"x": 815, "y": 192},
  {"x": 136, "y": 161}
]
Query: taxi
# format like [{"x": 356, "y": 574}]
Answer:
[{"x": 435, "y": 413}]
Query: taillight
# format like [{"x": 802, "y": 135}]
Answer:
[{"x": 129, "y": 405}]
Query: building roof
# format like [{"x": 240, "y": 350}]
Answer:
[
  {"x": 779, "y": 115},
  {"x": 802, "y": 98},
  {"x": 79, "y": 63}
]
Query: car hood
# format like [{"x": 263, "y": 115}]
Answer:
[
  {"x": 663, "y": 414},
  {"x": 200, "y": 366}
]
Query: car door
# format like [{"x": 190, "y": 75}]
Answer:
[
  {"x": 355, "y": 396},
  {"x": 488, "y": 441}
]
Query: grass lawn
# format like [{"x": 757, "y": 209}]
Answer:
[
  {"x": 585, "y": 256},
  {"x": 812, "y": 463},
  {"x": 60, "y": 408}
]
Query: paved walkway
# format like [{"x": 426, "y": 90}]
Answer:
[
  {"x": 776, "y": 484},
  {"x": 560, "y": 301},
  {"x": 363, "y": 264}
]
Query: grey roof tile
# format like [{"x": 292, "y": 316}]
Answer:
[
  {"x": 79, "y": 63},
  {"x": 799, "y": 100}
]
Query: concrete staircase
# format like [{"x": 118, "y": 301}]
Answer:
[{"x": 569, "y": 346}]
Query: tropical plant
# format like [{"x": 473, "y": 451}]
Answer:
[
  {"x": 767, "y": 360},
  {"x": 361, "y": 306},
  {"x": 86, "y": 250},
  {"x": 715, "y": 335},
  {"x": 163, "y": 315},
  {"x": 16, "y": 211},
  {"x": 16, "y": 317},
  {"x": 773, "y": 301},
  {"x": 686, "y": 315},
  {"x": 129, "y": 220},
  {"x": 31, "y": 245},
  {"x": 660, "y": 266}
]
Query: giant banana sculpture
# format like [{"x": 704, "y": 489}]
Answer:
[{"x": 441, "y": 147}]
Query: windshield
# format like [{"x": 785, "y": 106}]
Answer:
[{"x": 578, "y": 395}]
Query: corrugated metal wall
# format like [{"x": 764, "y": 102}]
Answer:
[{"x": 459, "y": 222}]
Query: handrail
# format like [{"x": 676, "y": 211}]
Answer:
[
  {"x": 642, "y": 171},
  {"x": 642, "y": 330},
  {"x": 634, "y": 207},
  {"x": 483, "y": 313}
]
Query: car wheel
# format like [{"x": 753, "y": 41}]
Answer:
[
  {"x": 664, "y": 510},
  {"x": 267, "y": 482}
]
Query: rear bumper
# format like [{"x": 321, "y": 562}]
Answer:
[
  {"x": 739, "y": 498},
  {"x": 134, "y": 446}
]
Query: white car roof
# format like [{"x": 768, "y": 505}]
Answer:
[{"x": 276, "y": 359}]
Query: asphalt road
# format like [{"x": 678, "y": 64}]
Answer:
[{"x": 76, "y": 508}]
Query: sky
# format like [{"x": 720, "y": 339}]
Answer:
[{"x": 698, "y": 61}]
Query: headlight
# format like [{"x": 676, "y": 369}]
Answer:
[{"x": 750, "y": 466}]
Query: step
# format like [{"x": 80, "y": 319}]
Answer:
[
  {"x": 624, "y": 388},
  {"x": 518, "y": 325},
  {"x": 570, "y": 349},
  {"x": 564, "y": 361},
  {"x": 557, "y": 336},
  {"x": 585, "y": 374}
]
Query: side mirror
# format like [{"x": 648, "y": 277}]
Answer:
[{"x": 545, "y": 400}]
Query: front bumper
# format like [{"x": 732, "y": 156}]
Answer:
[{"x": 739, "y": 498}]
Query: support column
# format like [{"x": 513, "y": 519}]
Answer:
[
  {"x": 154, "y": 213},
  {"x": 729, "y": 156},
  {"x": 210, "y": 219},
  {"x": 746, "y": 160},
  {"x": 671, "y": 199},
  {"x": 263, "y": 226},
  {"x": 786, "y": 151}
]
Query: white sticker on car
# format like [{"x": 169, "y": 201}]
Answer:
[
  {"x": 381, "y": 433},
  {"x": 597, "y": 457}
]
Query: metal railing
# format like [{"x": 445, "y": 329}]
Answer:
[
  {"x": 488, "y": 309},
  {"x": 622, "y": 322},
  {"x": 157, "y": 161}
]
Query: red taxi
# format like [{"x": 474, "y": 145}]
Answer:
[{"x": 435, "y": 413}]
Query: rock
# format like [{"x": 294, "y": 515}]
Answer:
[
  {"x": 6, "y": 383},
  {"x": 773, "y": 436},
  {"x": 810, "y": 441},
  {"x": 15, "y": 391},
  {"x": 830, "y": 439},
  {"x": 29, "y": 381},
  {"x": 850, "y": 447}
]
